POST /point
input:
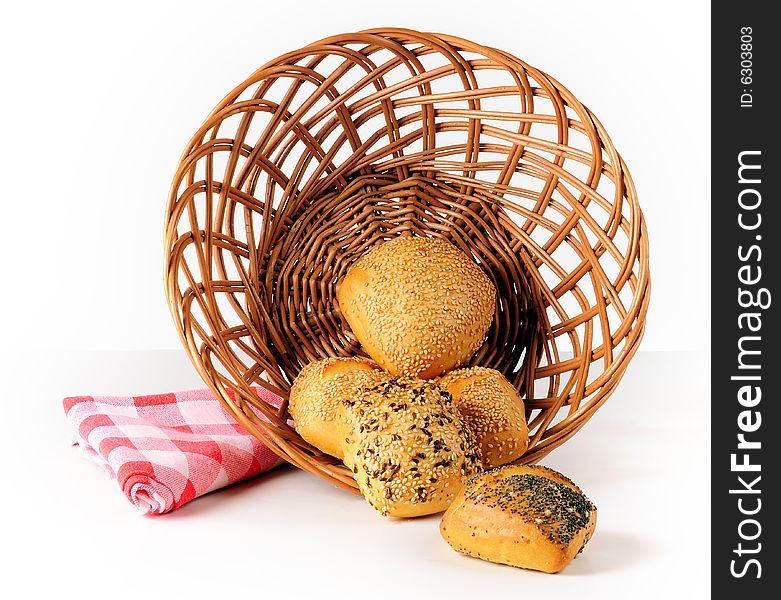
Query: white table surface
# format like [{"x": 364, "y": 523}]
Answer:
[{"x": 68, "y": 532}]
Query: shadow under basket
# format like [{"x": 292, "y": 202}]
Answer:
[{"x": 329, "y": 150}]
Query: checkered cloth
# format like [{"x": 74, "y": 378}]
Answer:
[{"x": 164, "y": 450}]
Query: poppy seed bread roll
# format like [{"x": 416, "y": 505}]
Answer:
[
  {"x": 317, "y": 396},
  {"x": 493, "y": 410},
  {"x": 525, "y": 516},
  {"x": 419, "y": 306}
]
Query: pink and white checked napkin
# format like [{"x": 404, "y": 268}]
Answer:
[{"x": 166, "y": 449}]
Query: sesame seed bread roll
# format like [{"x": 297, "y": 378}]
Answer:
[
  {"x": 409, "y": 450},
  {"x": 317, "y": 395},
  {"x": 525, "y": 516},
  {"x": 418, "y": 306},
  {"x": 493, "y": 410}
]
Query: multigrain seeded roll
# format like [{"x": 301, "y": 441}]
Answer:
[
  {"x": 524, "y": 516},
  {"x": 493, "y": 410},
  {"x": 317, "y": 395},
  {"x": 409, "y": 449},
  {"x": 418, "y": 306}
]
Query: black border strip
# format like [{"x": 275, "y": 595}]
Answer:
[{"x": 746, "y": 229}]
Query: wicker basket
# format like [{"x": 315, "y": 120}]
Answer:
[{"x": 328, "y": 150}]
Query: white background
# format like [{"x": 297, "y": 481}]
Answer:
[{"x": 99, "y": 100}]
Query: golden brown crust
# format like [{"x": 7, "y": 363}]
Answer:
[
  {"x": 493, "y": 410},
  {"x": 419, "y": 306},
  {"x": 526, "y": 516},
  {"x": 403, "y": 438},
  {"x": 317, "y": 395}
]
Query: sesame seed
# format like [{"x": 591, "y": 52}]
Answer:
[
  {"x": 423, "y": 295},
  {"x": 493, "y": 410}
]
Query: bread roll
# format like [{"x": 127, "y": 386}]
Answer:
[
  {"x": 525, "y": 516},
  {"x": 317, "y": 400},
  {"x": 409, "y": 449},
  {"x": 403, "y": 438},
  {"x": 493, "y": 410},
  {"x": 419, "y": 306}
]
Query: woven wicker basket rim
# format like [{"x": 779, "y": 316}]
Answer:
[{"x": 332, "y": 148}]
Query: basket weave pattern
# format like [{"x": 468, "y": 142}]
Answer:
[{"x": 328, "y": 150}]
